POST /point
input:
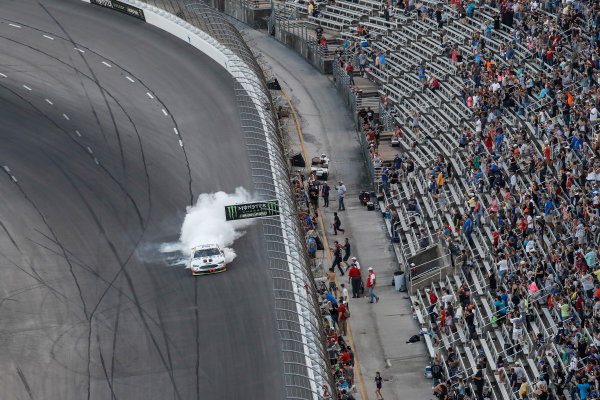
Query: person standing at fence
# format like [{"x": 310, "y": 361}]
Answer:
[
  {"x": 331, "y": 280},
  {"x": 341, "y": 190},
  {"x": 371, "y": 282},
  {"x": 350, "y": 72},
  {"x": 325, "y": 193},
  {"x": 355, "y": 278},
  {"x": 343, "y": 315},
  {"x": 362, "y": 62}
]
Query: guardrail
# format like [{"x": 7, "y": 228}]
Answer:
[{"x": 306, "y": 360}]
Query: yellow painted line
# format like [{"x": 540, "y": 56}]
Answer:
[{"x": 361, "y": 383}]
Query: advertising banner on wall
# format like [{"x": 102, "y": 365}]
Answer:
[
  {"x": 252, "y": 210},
  {"x": 121, "y": 7}
]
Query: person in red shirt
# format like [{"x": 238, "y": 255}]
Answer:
[
  {"x": 550, "y": 56},
  {"x": 355, "y": 278},
  {"x": 579, "y": 303},
  {"x": 432, "y": 302},
  {"x": 332, "y": 336},
  {"x": 371, "y": 282},
  {"x": 344, "y": 358},
  {"x": 350, "y": 72}
]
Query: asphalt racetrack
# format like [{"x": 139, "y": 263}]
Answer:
[{"x": 109, "y": 128}]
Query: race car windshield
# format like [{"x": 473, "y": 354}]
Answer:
[{"x": 206, "y": 253}]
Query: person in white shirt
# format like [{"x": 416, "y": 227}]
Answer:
[
  {"x": 587, "y": 283},
  {"x": 447, "y": 298},
  {"x": 530, "y": 246},
  {"x": 517, "y": 334},
  {"x": 593, "y": 114},
  {"x": 324, "y": 160},
  {"x": 580, "y": 233},
  {"x": 341, "y": 190},
  {"x": 502, "y": 268},
  {"x": 355, "y": 262},
  {"x": 344, "y": 293}
]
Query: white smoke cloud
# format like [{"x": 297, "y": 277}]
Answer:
[{"x": 205, "y": 223}]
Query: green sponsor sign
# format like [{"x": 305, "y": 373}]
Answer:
[
  {"x": 121, "y": 7},
  {"x": 252, "y": 210}
]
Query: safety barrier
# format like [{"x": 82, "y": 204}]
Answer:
[{"x": 297, "y": 312}]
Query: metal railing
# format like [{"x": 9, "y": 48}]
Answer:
[{"x": 305, "y": 357}]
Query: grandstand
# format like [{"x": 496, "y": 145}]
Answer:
[{"x": 511, "y": 126}]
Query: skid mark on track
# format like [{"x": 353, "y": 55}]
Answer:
[{"x": 25, "y": 383}]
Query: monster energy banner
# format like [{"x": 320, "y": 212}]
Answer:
[
  {"x": 121, "y": 7},
  {"x": 252, "y": 210}
]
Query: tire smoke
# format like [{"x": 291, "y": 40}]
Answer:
[{"x": 205, "y": 223}]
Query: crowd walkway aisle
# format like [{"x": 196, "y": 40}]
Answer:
[{"x": 379, "y": 330}]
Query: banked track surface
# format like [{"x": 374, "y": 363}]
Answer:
[{"x": 109, "y": 129}]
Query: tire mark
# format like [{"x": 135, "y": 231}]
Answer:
[
  {"x": 10, "y": 236},
  {"x": 107, "y": 377},
  {"x": 25, "y": 383},
  {"x": 114, "y": 340}
]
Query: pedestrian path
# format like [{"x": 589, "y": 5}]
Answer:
[{"x": 380, "y": 330}]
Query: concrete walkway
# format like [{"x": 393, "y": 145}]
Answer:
[{"x": 379, "y": 330}]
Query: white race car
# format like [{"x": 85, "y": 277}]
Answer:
[{"x": 207, "y": 259}]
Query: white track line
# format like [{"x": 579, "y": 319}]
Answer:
[
  {"x": 176, "y": 131},
  {"x": 180, "y": 143},
  {"x": 79, "y": 50},
  {"x": 96, "y": 161},
  {"x": 15, "y": 25},
  {"x": 89, "y": 149},
  {"x": 129, "y": 79},
  {"x": 77, "y": 132},
  {"x": 150, "y": 95},
  {"x": 48, "y": 37},
  {"x": 14, "y": 179},
  {"x": 27, "y": 87},
  {"x": 165, "y": 112},
  {"x": 107, "y": 64},
  {"x": 49, "y": 102},
  {"x": 66, "y": 117},
  {"x": 2, "y": 75},
  {"x": 6, "y": 168}
]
